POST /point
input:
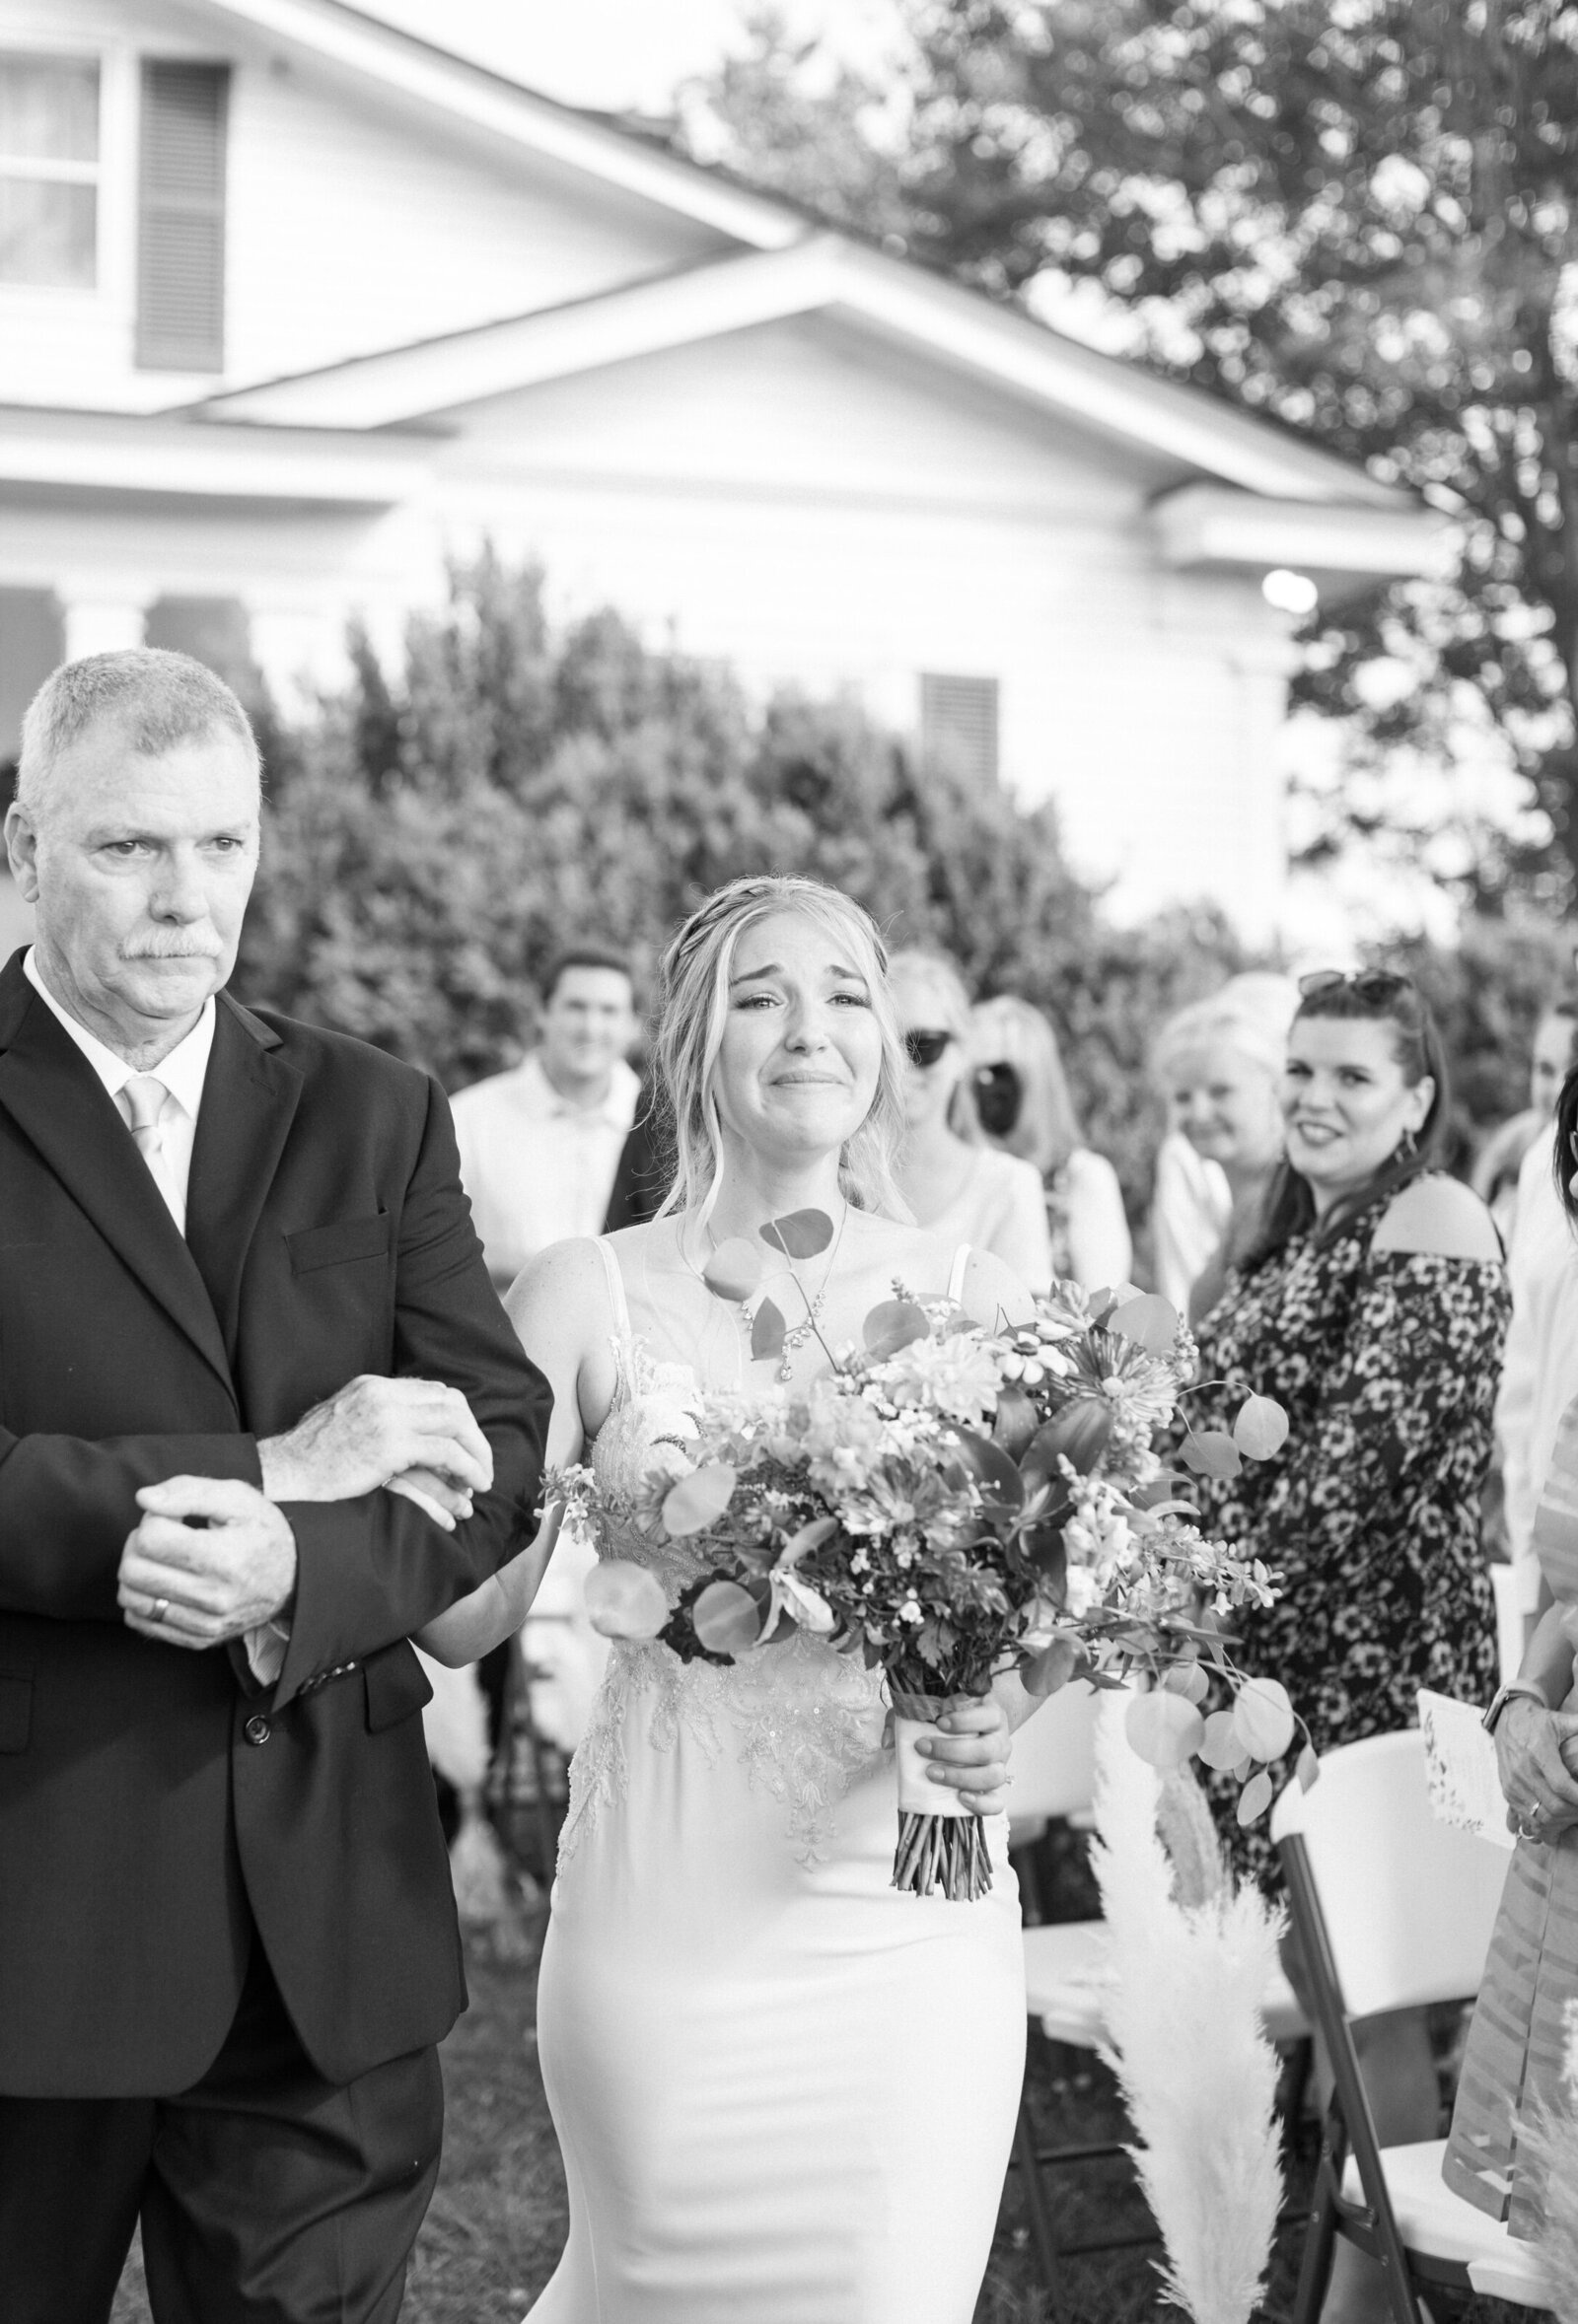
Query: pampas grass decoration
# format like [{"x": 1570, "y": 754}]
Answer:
[{"x": 1187, "y": 2043}]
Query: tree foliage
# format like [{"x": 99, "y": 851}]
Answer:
[
  {"x": 1353, "y": 217},
  {"x": 440, "y": 830}
]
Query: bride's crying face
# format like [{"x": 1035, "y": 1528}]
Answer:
[{"x": 797, "y": 1072}]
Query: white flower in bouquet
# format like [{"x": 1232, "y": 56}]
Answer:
[{"x": 958, "y": 1377}]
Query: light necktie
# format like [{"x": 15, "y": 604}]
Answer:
[{"x": 145, "y": 1096}]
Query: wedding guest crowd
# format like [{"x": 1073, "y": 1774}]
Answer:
[
  {"x": 954, "y": 1183},
  {"x": 1023, "y": 1105},
  {"x": 1219, "y": 1065}
]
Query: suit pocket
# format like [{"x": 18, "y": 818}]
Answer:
[
  {"x": 397, "y": 1686},
  {"x": 332, "y": 1246},
  {"x": 15, "y": 1712}
]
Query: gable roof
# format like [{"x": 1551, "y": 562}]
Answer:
[
  {"x": 785, "y": 263},
  {"x": 824, "y": 271}
]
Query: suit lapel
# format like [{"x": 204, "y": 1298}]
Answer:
[
  {"x": 249, "y": 1100},
  {"x": 64, "y": 1110}
]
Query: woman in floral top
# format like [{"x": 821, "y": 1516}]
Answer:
[{"x": 1373, "y": 1305}]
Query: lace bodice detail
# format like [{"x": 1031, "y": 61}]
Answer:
[{"x": 803, "y": 1719}]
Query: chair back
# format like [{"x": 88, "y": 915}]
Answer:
[
  {"x": 1053, "y": 1764},
  {"x": 1408, "y": 1902}
]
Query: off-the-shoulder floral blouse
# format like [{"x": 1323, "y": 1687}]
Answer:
[{"x": 1388, "y": 1364}]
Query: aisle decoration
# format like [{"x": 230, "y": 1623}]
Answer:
[
  {"x": 952, "y": 1503},
  {"x": 1191, "y": 1960}
]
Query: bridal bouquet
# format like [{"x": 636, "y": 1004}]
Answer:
[{"x": 950, "y": 1503}]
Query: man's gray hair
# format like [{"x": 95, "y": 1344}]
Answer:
[{"x": 158, "y": 700}]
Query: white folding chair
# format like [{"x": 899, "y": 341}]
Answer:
[
  {"x": 1393, "y": 1908},
  {"x": 1068, "y": 1976}
]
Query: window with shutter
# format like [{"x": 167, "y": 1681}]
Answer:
[
  {"x": 49, "y": 171},
  {"x": 959, "y": 724},
  {"x": 180, "y": 243}
]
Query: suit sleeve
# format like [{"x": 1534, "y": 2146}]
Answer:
[
  {"x": 66, "y": 1508},
  {"x": 373, "y": 1569}
]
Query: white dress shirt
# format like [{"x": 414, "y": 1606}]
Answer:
[
  {"x": 536, "y": 1168},
  {"x": 1540, "y": 1374},
  {"x": 184, "y": 1072}
]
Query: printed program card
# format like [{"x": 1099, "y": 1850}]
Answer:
[{"x": 1460, "y": 1761}]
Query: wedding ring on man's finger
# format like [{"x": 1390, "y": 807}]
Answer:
[{"x": 157, "y": 1608}]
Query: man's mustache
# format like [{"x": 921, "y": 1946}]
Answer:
[{"x": 183, "y": 948}]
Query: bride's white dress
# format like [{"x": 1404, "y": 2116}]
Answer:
[{"x": 785, "y": 2093}]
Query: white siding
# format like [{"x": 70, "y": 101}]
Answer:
[
  {"x": 352, "y": 225},
  {"x": 816, "y": 512}
]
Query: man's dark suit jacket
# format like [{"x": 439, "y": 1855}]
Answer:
[{"x": 155, "y": 1804}]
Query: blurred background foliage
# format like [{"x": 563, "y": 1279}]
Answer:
[
  {"x": 1359, "y": 221},
  {"x": 438, "y": 829}
]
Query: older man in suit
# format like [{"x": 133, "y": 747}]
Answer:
[{"x": 261, "y": 1418}]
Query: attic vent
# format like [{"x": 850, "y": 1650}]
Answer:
[
  {"x": 959, "y": 724},
  {"x": 181, "y": 251}
]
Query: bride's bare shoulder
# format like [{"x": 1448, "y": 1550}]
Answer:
[{"x": 568, "y": 1281}]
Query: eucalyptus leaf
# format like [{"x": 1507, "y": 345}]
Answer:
[
  {"x": 1150, "y": 1321},
  {"x": 799, "y": 1234},
  {"x": 1222, "y": 1746},
  {"x": 810, "y": 1537},
  {"x": 891, "y": 1324},
  {"x": 697, "y": 1499},
  {"x": 1210, "y": 1453},
  {"x": 734, "y": 1270},
  {"x": 1309, "y": 1769},
  {"x": 767, "y": 1328},
  {"x": 1254, "y": 1798},
  {"x": 1263, "y": 1716},
  {"x": 624, "y": 1601},
  {"x": 1047, "y": 1671},
  {"x": 1163, "y": 1728},
  {"x": 726, "y": 1618},
  {"x": 1261, "y": 1428}
]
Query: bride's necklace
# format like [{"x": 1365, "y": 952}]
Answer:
[{"x": 796, "y": 1334}]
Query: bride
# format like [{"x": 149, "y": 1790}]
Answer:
[{"x": 783, "y": 2090}]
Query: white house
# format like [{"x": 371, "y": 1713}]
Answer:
[{"x": 294, "y": 307}]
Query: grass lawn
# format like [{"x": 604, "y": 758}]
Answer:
[{"x": 497, "y": 2219}]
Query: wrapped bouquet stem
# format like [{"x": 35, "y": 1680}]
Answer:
[{"x": 942, "y": 1841}]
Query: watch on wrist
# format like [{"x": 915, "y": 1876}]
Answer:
[{"x": 1504, "y": 1695}]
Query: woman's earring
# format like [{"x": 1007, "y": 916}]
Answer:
[{"x": 1408, "y": 1146}]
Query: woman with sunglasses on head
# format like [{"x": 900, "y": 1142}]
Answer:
[
  {"x": 1373, "y": 1304},
  {"x": 1024, "y": 1106},
  {"x": 731, "y": 1983},
  {"x": 959, "y": 1187}
]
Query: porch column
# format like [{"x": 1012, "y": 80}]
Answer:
[{"x": 101, "y": 625}]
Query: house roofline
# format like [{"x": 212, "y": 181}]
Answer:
[
  {"x": 825, "y": 272},
  {"x": 489, "y": 100}
]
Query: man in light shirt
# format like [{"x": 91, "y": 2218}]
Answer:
[
  {"x": 540, "y": 1144},
  {"x": 261, "y": 1418}
]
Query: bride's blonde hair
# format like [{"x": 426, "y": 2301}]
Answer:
[{"x": 692, "y": 1011}]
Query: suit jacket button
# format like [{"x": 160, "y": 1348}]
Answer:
[{"x": 257, "y": 1729}]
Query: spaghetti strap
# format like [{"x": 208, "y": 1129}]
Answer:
[
  {"x": 616, "y": 1299},
  {"x": 956, "y": 1280}
]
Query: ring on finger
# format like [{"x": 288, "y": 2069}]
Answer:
[{"x": 157, "y": 1608}]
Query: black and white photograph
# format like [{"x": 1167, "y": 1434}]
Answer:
[{"x": 788, "y": 1162}]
